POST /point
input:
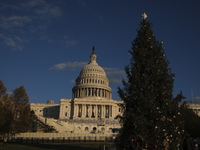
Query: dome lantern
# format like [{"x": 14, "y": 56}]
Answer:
[{"x": 93, "y": 57}]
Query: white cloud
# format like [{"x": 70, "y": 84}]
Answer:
[
  {"x": 39, "y": 9},
  {"x": 69, "y": 66},
  {"x": 6, "y": 6},
  {"x": 45, "y": 38},
  {"x": 14, "y": 43},
  {"x": 115, "y": 75},
  {"x": 48, "y": 11},
  {"x": 14, "y": 21},
  {"x": 33, "y": 3},
  {"x": 44, "y": 9}
]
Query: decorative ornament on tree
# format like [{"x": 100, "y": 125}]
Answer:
[{"x": 144, "y": 16}]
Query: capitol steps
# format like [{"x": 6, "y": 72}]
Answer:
[{"x": 60, "y": 126}]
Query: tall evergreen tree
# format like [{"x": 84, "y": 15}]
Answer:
[{"x": 149, "y": 111}]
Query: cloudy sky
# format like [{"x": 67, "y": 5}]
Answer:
[{"x": 46, "y": 43}]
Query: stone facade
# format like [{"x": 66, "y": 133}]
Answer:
[
  {"x": 195, "y": 107},
  {"x": 91, "y": 101}
]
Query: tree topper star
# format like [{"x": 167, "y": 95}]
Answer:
[{"x": 144, "y": 16}]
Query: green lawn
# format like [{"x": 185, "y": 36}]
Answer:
[{"x": 57, "y": 146}]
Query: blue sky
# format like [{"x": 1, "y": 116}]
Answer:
[{"x": 46, "y": 43}]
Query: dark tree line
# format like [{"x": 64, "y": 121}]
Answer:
[{"x": 14, "y": 110}]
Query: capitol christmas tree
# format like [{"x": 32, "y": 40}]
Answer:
[{"x": 150, "y": 111}]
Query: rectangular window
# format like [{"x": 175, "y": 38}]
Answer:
[{"x": 66, "y": 114}]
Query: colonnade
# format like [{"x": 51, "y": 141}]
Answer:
[
  {"x": 98, "y": 92},
  {"x": 85, "y": 81},
  {"x": 93, "y": 111}
]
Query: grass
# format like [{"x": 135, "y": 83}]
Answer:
[{"x": 57, "y": 146}]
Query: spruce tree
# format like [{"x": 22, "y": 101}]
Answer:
[{"x": 149, "y": 111}]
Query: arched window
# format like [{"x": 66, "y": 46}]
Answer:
[
  {"x": 94, "y": 129},
  {"x": 102, "y": 129},
  {"x": 86, "y": 128}
]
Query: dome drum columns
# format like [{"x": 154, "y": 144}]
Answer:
[{"x": 94, "y": 92}]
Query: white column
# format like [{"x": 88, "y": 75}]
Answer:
[
  {"x": 96, "y": 110},
  {"x": 74, "y": 111},
  {"x": 83, "y": 111},
  {"x": 103, "y": 112},
  {"x": 114, "y": 115},
  {"x": 100, "y": 110},
  {"x": 97, "y": 91},
  {"x": 104, "y": 109},
  {"x": 112, "y": 112},
  {"x": 77, "y": 110},
  {"x": 90, "y": 91}
]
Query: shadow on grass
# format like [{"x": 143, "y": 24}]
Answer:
[{"x": 63, "y": 146}]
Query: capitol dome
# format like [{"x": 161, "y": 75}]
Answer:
[
  {"x": 93, "y": 67},
  {"x": 92, "y": 81}
]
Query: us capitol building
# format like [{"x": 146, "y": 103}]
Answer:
[{"x": 91, "y": 107}]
